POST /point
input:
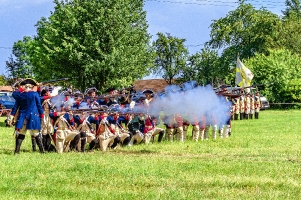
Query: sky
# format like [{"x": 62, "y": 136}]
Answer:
[{"x": 185, "y": 19}]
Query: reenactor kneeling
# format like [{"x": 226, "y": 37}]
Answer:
[{"x": 65, "y": 132}]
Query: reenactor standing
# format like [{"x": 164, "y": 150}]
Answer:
[
  {"x": 90, "y": 96},
  {"x": 236, "y": 109},
  {"x": 242, "y": 105},
  {"x": 30, "y": 114},
  {"x": 210, "y": 122},
  {"x": 169, "y": 122},
  {"x": 258, "y": 104},
  {"x": 252, "y": 107},
  {"x": 47, "y": 126},
  {"x": 185, "y": 127},
  {"x": 179, "y": 127},
  {"x": 111, "y": 96},
  {"x": 18, "y": 89},
  {"x": 247, "y": 106}
]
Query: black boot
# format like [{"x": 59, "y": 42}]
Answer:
[
  {"x": 83, "y": 141},
  {"x": 246, "y": 116},
  {"x": 92, "y": 144},
  {"x": 251, "y": 116},
  {"x": 19, "y": 141},
  {"x": 47, "y": 143},
  {"x": 241, "y": 116},
  {"x": 235, "y": 116},
  {"x": 256, "y": 115},
  {"x": 117, "y": 141},
  {"x": 83, "y": 145},
  {"x": 127, "y": 140},
  {"x": 40, "y": 144},
  {"x": 161, "y": 134},
  {"x": 33, "y": 143},
  {"x": 74, "y": 142}
]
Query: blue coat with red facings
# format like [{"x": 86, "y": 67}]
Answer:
[{"x": 30, "y": 109}]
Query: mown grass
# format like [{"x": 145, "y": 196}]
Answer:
[{"x": 261, "y": 160}]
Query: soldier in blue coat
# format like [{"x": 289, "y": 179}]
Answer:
[{"x": 30, "y": 110}]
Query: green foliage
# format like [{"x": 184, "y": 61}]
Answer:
[
  {"x": 245, "y": 30},
  {"x": 170, "y": 56},
  {"x": 258, "y": 161},
  {"x": 99, "y": 43},
  {"x": 293, "y": 8},
  {"x": 205, "y": 67},
  {"x": 288, "y": 34},
  {"x": 3, "y": 80},
  {"x": 280, "y": 72},
  {"x": 19, "y": 66}
]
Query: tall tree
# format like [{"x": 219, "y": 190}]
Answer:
[
  {"x": 288, "y": 34},
  {"x": 18, "y": 65},
  {"x": 205, "y": 67},
  {"x": 245, "y": 31},
  {"x": 293, "y": 7},
  {"x": 170, "y": 56},
  {"x": 99, "y": 43}
]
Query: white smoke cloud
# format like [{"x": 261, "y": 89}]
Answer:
[{"x": 192, "y": 104}]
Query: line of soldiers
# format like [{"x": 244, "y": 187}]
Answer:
[
  {"x": 246, "y": 106},
  {"x": 66, "y": 127}
]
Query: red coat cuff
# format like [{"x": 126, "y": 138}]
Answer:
[{"x": 42, "y": 115}]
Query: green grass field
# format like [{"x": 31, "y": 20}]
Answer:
[{"x": 261, "y": 160}]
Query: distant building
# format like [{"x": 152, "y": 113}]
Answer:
[
  {"x": 6, "y": 88},
  {"x": 157, "y": 85}
]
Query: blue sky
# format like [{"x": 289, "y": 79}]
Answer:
[{"x": 188, "y": 19}]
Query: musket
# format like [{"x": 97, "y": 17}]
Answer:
[
  {"x": 80, "y": 111},
  {"x": 237, "y": 92},
  {"x": 55, "y": 80},
  {"x": 242, "y": 88}
]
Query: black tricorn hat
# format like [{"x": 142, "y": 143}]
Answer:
[
  {"x": 66, "y": 93},
  {"x": 29, "y": 81},
  {"x": 110, "y": 89},
  {"x": 90, "y": 90},
  {"x": 148, "y": 91}
]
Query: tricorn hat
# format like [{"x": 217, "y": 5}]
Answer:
[
  {"x": 90, "y": 90},
  {"x": 110, "y": 90},
  {"x": 45, "y": 89},
  {"x": 29, "y": 81},
  {"x": 66, "y": 93},
  {"x": 148, "y": 91}
]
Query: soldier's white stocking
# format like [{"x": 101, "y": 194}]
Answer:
[{"x": 195, "y": 133}]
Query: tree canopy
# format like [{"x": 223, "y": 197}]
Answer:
[
  {"x": 170, "y": 56},
  {"x": 97, "y": 43},
  {"x": 280, "y": 73},
  {"x": 244, "y": 31}
]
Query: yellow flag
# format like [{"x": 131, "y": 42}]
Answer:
[{"x": 244, "y": 75}]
